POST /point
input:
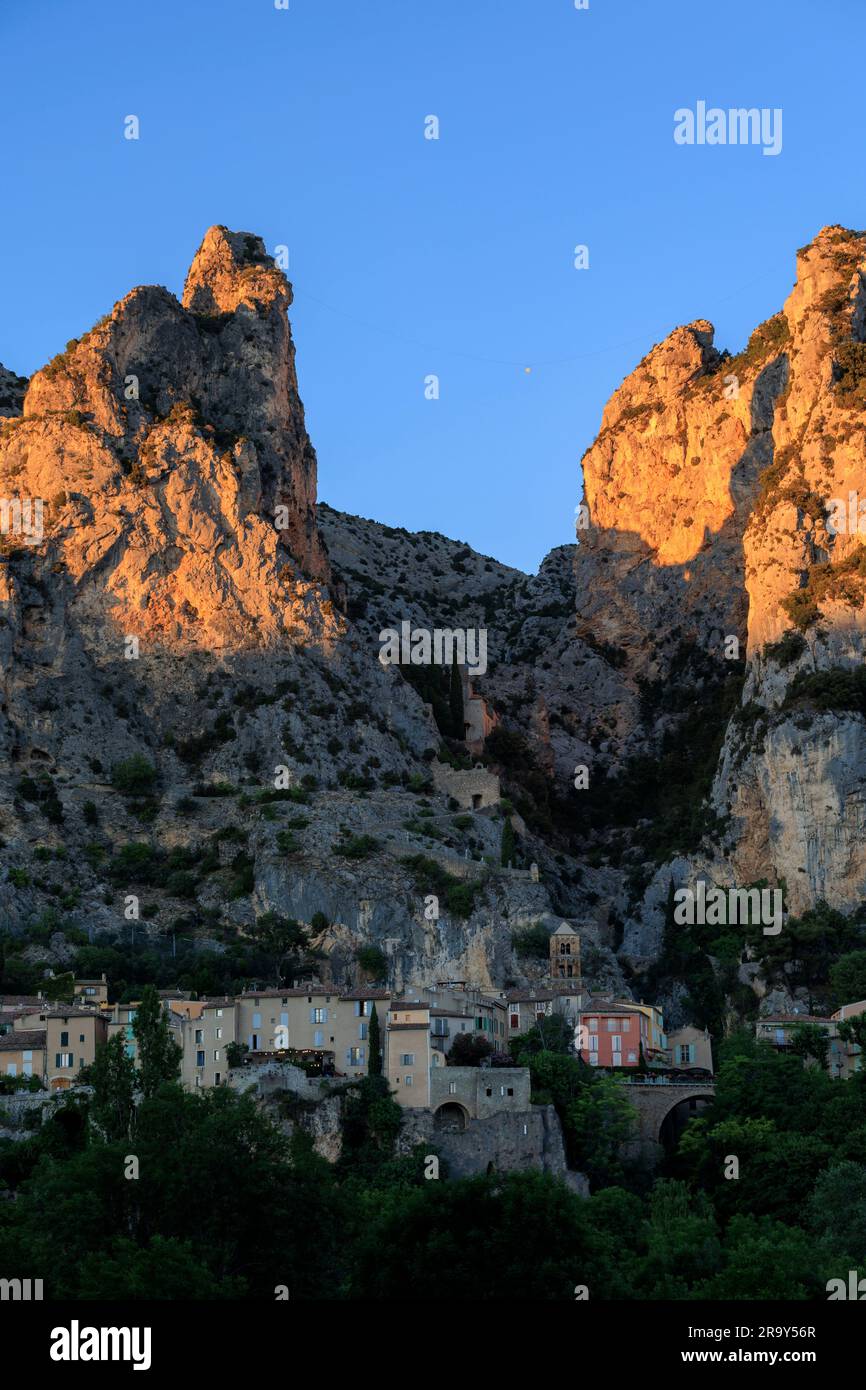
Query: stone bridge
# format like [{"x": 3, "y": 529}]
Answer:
[{"x": 664, "y": 1109}]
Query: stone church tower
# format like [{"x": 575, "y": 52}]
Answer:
[{"x": 565, "y": 954}]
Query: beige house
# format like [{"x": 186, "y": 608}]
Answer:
[
  {"x": 204, "y": 1041},
  {"x": 22, "y": 1053},
  {"x": 456, "y": 1007},
  {"x": 690, "y": 1047},
  {"x": 91, "y": 991},
  {"x": 71, "y": 1038},
  {"x": 408, "y": 1059}
]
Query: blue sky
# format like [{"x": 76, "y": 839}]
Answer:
[{"x": 412, "y": 257}]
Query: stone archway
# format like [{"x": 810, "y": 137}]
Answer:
[
  {"x": 675, "y": 1119},
  {"x": 451, "y": 1118},
  {"x": 663, "y": 1109}
]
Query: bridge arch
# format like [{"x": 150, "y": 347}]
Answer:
[{"x": 664, "y": 1109}]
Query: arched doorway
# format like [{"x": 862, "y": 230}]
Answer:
[{"x": 451, "y": 1118}]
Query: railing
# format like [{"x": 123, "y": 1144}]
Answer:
[{"x": 665, "y": 1081}]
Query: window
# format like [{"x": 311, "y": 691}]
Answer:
[
  {"x": 632, "y": 1056},
  {"x": 219, "y": 1013},
  {"x": 199, "y": 1036},
  {"x": 515, "y": 1020},
  {"x": 81, "y": 1037},
  {"x": 407, "y": 1059},
  {"x": 510, "y": 1091},
  {"x": 452, "y": 1088},
  {"x": 217, "y": 1032},
  {"x": 89, "y": 989},
  {"x": 216, "y": 1055},
  {"x": 593, "y": 1044},
  {"x": 319, "y": 1038},
  {"x": 616, "y": 1044},
  {"x": 64, "y": 1059},
  {"x": 408, "y": 1081},
  {"x": 687, "y": 1052},
  {"x": 199, "y": 1058},
  {"x": 318, "y": 1015},
  {"x": 257, "y": 1020},
  {"x": 11, "y": 1069},
  {"x": 254, "y": 1042},
  {"x": 64, "y": 1039},
  {"x": 611, "y": 1025},
  {"x": 363, "y": 1030},
  {"x": 217, "y": 1078},
  {"x": 356, "y": 1056},
  {"x": 593, "y": 1025},
  {"x": 617, "y": 1059},
  {"x": 593, "y": 1059},
  {"x": 626, "y": 1025}
]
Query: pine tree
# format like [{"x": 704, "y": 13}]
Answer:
[
  {"x": 374, "y": 1038},
  {"x": 455, "y": 702},
  {"x": 508, "y": 849}
]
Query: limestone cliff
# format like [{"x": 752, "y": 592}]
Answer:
[{"x": 698, "y": 650}]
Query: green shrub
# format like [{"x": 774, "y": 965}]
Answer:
[
  {"x": 789, "y": 647},
  {"x": 356, "y": 846},
  {"x": 134, "y": 776},
  {"x": 532, "y": 942}
]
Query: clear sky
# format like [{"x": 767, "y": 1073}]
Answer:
[{"x": 412, "y": 257}]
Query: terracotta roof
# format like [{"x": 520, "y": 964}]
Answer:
[
  {"x": 24, "y": 1041},
  {"x": 589, "y": 1009},
  {"x": 528, "y": 996},
  {"x": 12, "y": 1001},
  {"x": 73, "y": 1013},
  {"x": 398, "y": 1027}
]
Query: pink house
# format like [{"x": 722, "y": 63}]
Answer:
[{"x": 612, "y": 1035}]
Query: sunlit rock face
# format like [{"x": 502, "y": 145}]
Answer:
[{"x": 170, "y": 449}]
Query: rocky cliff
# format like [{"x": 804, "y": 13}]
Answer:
[{"x": 677, "y": 693}]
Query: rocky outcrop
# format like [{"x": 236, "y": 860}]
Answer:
[
  {"x": 169, "y": 450},
  {"x": 12, "y": 392}
]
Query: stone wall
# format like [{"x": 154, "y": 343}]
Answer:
[
  {"x": 482, "y": 1091},
  {"x": 502, "y": 1143},
  {"x": 464, "y": 786}
]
